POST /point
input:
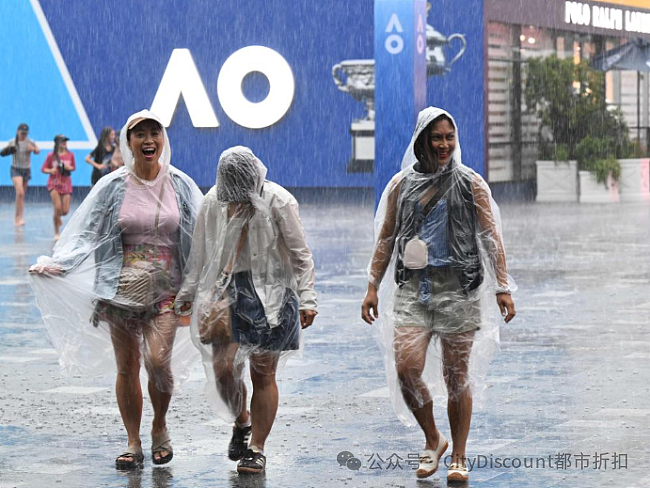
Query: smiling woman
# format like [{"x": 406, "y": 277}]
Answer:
[
  {"x": 121, "y": 259},
  {"x": 438, "y": 235},
  {"x": 145, "y": 139}
]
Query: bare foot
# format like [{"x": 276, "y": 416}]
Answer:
[
  {"x": 56, "y": 237},
  {"x": 19, "y": 223}
]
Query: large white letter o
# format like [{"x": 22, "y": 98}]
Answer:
[{"x": 281, "y": 87}]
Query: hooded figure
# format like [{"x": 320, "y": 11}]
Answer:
[
  {"x": 250, "y": 285},
  {"x": 117, "y": 266},
  {"x": 440, "y": 260}
]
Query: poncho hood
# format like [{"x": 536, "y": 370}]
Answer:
[
  {"x": 127, "y": 154},
  {"x": 425, "y": 117}
]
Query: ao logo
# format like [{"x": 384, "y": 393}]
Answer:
[
  {"x": 181, "y": 77},
  {"x": 395, "y": 43}
]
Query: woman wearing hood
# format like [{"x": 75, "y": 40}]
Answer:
[
  {"x": 438, "y": 234},
  {"x": 119, "y": 263},
  {"x": 250, "y": 286}
]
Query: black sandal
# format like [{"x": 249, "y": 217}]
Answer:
[{"x": 136, "y": 461}]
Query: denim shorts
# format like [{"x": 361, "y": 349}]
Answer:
[
  {"x": 444, "y": 310},
  {"x": 248, "y": 318},
  {"x": 24, "y": 173}
]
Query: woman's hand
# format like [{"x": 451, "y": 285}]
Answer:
[
  {"x": 369, "y": 307},
  {"x": 184, "y": 319},
  {"x": 307, "y": 318},
  {"x": 507, "y": 306},
  {"x": 46, "y": 269}
]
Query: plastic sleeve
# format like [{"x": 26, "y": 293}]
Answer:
[{"x": 293, "y": 234}]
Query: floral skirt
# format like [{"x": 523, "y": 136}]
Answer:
[{"x": 162, "y": 257}]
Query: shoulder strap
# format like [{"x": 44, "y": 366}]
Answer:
[
  {"x": 157, "y": 220},
  {"x": 240, "y": 245},
  {"x": 437, "y": 196}
]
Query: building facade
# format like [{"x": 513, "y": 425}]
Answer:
[{"x": 518, "y": 30}]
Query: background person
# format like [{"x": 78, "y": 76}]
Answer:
[
  {"x": 251, "y": 283},
  {"x": 116, "y": 160},
  {"x": 100, "y": 157},
  {"x": 438, "y": 234},
  {"x": 59, "y": 164},
  {"x": 119, "y": 263},
  {"x": 20, "y": 148}
]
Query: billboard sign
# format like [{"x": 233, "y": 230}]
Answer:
[{"x": 220, "y": 74}]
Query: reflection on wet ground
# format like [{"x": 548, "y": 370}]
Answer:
[{"x": 569, "y": 392}]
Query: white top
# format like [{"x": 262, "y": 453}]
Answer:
[{"x": 275, "y": 243}]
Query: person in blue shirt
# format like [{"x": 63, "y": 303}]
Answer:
[{"x": 438, "y": 234}]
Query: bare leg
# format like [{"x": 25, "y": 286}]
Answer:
[
  {"x": 20, "y": 187},
  {"x": 264, "y": 402},
  {"x": 58, "y": 211},
  {"x": 456, "y": 350},
  {"x": 159, "y": 337},
  {"x": 65, "y": 204},
  {"x": 411, "y": 344},
  {"x": 228, "y": 375},
  {"x": 126, "y": 343}
]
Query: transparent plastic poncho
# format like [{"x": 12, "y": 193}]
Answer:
[
  {"x": 250, "y": 274},
  {"x": 107, "y": 292},
  {"x": 439, "y": 313}
]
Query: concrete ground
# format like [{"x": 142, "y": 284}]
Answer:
[{"x": 570, "y": 385}]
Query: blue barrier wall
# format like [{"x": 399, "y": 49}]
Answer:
[
  {"x": 116, "y": 52},
  {"x": 461, "y": 89}
]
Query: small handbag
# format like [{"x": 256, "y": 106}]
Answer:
[
  {"x": 136, "y": 290},
  {"x": 416, "y": 254},
  {"x": 214, "y": 319},
  {"x": 61, "y": 168}
]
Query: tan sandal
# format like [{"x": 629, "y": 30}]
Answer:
[{"x": 159, "y": 444}]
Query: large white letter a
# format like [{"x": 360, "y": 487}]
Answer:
[{"x": 182, "y": 78}]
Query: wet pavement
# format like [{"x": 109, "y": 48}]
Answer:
[{"x": 569, "y": 391}]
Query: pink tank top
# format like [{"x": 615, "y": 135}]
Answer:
[{"x": 138, "y": 213}]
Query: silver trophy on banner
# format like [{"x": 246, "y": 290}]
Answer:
[
  {"x": 357, "y": 77},
  {"x": 436, "y": 61}
]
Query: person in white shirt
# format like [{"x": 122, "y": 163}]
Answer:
[{"x": 250, "y": 288}]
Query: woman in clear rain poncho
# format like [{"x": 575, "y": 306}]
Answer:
[
  {"x": 118, "y": 265},
  {"x": 438, "y": 236},
  {"x": 250, "y": 283}
]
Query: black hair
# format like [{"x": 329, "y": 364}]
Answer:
[
  {"x": 100, "y": 150},
  {"x": 55, "y": 151},
  {"x": 424, "y": 139}
]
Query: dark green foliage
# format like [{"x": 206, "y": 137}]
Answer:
[
  {"x": 598, "y": 156},
  {"x": 569, "y": 100}
]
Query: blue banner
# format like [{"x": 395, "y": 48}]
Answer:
[
  {"x": 293, "y": 80},
  {"x": 456, "y": 69},
  {"x": 400, "y": 78}
]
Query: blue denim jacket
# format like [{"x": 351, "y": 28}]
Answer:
[{"x": 101, "y": 232}]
